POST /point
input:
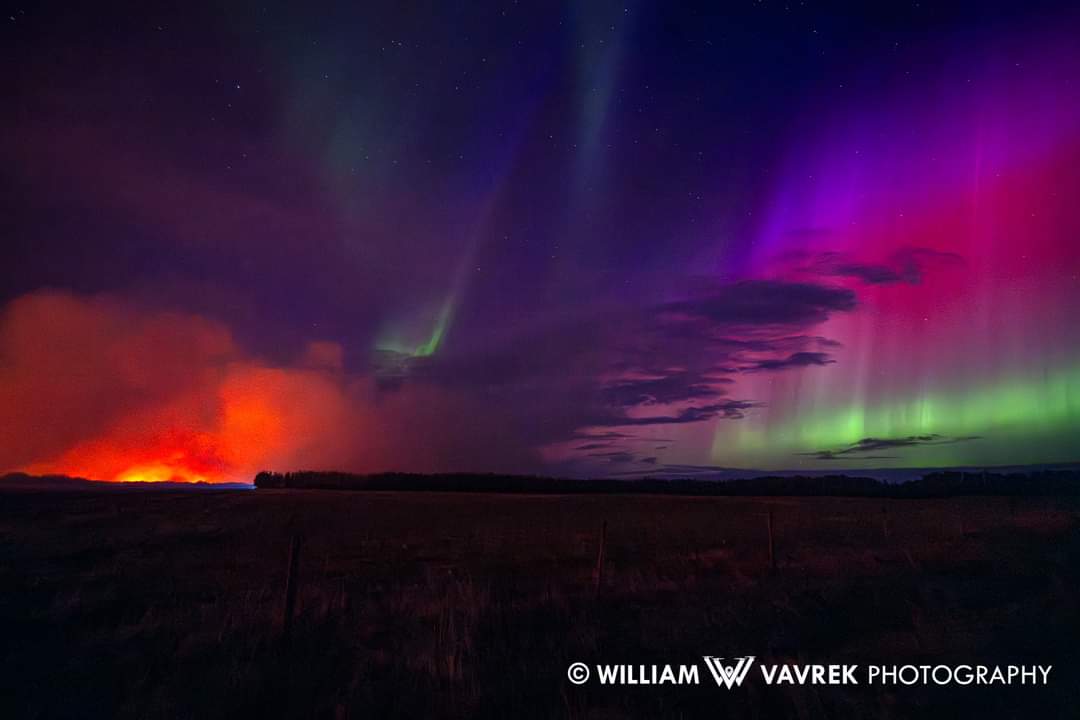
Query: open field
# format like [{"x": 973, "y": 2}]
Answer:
[{"x": 467, "y": 605}]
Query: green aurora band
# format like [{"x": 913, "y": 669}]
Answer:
[{"x": 1036, "y": 414}]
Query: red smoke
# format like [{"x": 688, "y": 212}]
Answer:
[{"x": 98, "y": 389}]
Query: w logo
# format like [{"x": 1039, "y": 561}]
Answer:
[{"x": 729, "y": 676}]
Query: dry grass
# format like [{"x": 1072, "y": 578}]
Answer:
[{"x": 456, "y": 605}]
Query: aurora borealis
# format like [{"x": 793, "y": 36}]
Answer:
[{"x": 584, "y": 239}]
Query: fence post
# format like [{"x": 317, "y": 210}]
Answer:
[
  {"x": 292, "y": 579},
  {"x": 599, "y": 573},
  {"x": 772, "y": 546}
]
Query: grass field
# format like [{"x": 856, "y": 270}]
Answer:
[{"x": 144, "y": 605}]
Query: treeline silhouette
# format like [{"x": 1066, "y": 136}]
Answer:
[{"x": 935, "y": 484}]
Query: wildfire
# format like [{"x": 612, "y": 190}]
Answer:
[
  {"x": 96, "y": 388},
  {"x": 172, "y": 455},
  {"x": 161, "y": 472},
  {"x": 255, "y": 417}
]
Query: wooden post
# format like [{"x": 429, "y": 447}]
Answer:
[
  {"x": 599, "y": 573},
  {"x": 292, "y": 579},
  {"x": 772, "y": 547}
]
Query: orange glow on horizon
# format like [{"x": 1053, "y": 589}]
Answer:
[
  {"x": 172, "y": 455},
  {"x": 160, "y": 472}
]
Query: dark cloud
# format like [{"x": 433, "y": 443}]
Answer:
[
  {"x": 624, "y": 457},
  {"x": 609, "y": 435},
  {"x": 874, "y": 274},
  {"x": 829, "y": 455},
  {"x": 828, "y": 342},
  {"x": 766, "y": 302},
  {"x": 907, "y": 265},
  {"x": 729, "y": 409},
  {"x": 914, "y": 262},
  {"x": 871, "y": 444},
  {"x": 615, "y": 457},
  {"x": 659, "y": 391},
  {"x": 794, "y": 360}
]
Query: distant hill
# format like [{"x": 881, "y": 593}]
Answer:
[
  {"x": 15, "y": 482},
  {"x": 936, "y": 484}
]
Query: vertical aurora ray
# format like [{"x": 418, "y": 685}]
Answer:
[
  {"x": 400, "y": 337},
  {"x": 403, "y": 339},
  {"x": 600, "y": 44}
]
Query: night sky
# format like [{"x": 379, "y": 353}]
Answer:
[{"x": 585, "y": 239}]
